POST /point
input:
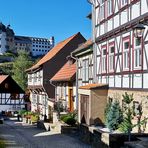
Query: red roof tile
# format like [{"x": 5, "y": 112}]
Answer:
[
  {"x": 52, "y": 52},
  {"x": 93, "y": 86},
  {"x": 2, "y": 78},
  {"x": 66, "y": 73}
]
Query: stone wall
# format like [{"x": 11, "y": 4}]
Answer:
[
  {"x": 139, "y": 96},
  {"x": 100, "y": 139}
]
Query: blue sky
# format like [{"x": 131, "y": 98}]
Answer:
[{"x": 46, "y": 18}]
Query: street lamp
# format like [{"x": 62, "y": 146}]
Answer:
[{"x": 139, "y": 30}]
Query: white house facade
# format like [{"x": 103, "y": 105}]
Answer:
[
  {"x": 120, "y": 57},
  {"x": 40, "y": 46},
  {"x": 38, "y": 96}
]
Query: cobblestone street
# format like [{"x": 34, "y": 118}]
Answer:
[{"x": 18, "y": 135}]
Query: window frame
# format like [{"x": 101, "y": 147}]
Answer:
[
  {"x": 128, "y": 52},
  {"x": 85, "y": 70},
  {"x": 123, "y": 5},
  {"x": 102, "y": 5},
  {"x": 110, "y": 45},
  {"x": 110, "y": 6},
  {"x": 140, "y": 48},
  {"x": 103, "y": 70}
]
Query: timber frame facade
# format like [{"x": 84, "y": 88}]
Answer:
[
  {"x": 12, "y": 97},
  {"x": 121, "y": 59}
]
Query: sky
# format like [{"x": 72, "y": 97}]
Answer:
[{"x": 46, "y": 18}]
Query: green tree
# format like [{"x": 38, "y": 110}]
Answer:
[
  {"x": 107, "y": 109},
  {"x": 21, "y": 63},
  {"x": 114, "y": 116},
  {"x": 126, "y": 126}
]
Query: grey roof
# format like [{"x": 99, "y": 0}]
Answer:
[
  {"x": 2, "y": 27},
  {"x": 22, "y": 39}
]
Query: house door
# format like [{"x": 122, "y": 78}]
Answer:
[
  {"x": 71, "y": 104},
  {"x": 84, "y": 108}
]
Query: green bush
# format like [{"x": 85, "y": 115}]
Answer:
[
  {"x": 22, "y": 112},
  {"x": 63, "y": 116},
  {"x": 69, "y": 120},
  {"x": 34, "y": 118}
]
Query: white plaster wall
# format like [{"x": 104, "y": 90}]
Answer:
[
  {"x": 117, "y": 80},
  {"x": 144, "y": 6},
  {"x": 137, "y": 81},
  {"x": 111, "y": 81},
  {"x": 145, "y": 82},
  {"x": 124, "y": 17},
  {"x": 125, "y": 81},
  {"x": 134, "y": 10}
]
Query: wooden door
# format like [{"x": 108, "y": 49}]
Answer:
[
  {"x": 84, "y": 110},
  {"x": 71, "y": 104}
]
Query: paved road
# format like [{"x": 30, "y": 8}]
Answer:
[{"x": 19, "y": 135}]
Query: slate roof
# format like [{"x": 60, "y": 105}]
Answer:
[
  {"x": 53, "y": 52},
  {"x": 66, "y": 73}
]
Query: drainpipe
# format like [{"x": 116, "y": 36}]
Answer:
[{"x": 76, "y": 79}]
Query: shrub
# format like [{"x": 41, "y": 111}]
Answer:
[
  {"x": 22, "y": 112},
  {"x": 34, "y": 118},
  {"x": 114, "y": 116},
  {"x": 63, "y": 116},
  {"x": 69, "y": 120}
]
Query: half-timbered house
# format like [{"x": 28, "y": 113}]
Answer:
[
  {"x": 65, "y": 83},
  {"x": 11, "y": 95},
  {"x": 91, "y": 96},
  {"x": 42, "y": 92},
  {"x": 120, "y": 56}
]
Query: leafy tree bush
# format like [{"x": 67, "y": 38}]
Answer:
[
  {"x": 21, "y": 63},
  {"x": 69, "y": 118}
]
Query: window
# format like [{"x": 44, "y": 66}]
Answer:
[
  {"x": 126, "y": 49},
  {"x": 137, "y": 53},
  {"x": 111, "y": 56},
  {"x": 104, "y": 64},
  {"x": 35, "y": 77},
  {"x": 85, "y": 70},
  {"x": 30, "y": 78},
  {"x": 123, "y": 3},
  {"x": 102, "y": 9},
  {"x": 109, "y": 7}
]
